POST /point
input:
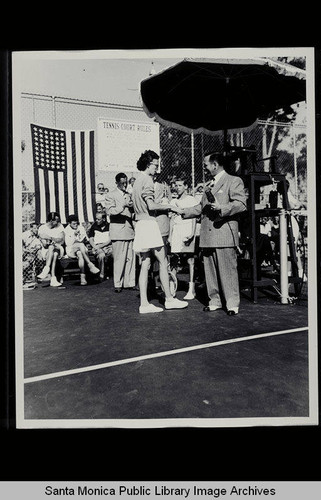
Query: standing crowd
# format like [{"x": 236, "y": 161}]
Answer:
[{"x": 140, "y": 224}]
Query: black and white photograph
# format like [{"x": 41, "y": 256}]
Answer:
[{"x": 165, "y": 238}]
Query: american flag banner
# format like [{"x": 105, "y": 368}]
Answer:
[{"x": 64, "y": 173}]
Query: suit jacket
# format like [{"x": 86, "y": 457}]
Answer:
[
  {"x": 121, "y": 218},
  {"x": 220, "y": 229}
]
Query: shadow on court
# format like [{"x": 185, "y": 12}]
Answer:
[{"x": 79, "y": 345}]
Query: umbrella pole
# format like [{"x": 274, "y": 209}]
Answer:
[
  {"x": 225, "y": 141},
  {"x": 203, "y": 173},
  {"x": 227, "y": 81}
]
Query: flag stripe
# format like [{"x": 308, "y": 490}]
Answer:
[
  {"x": 80, "y": 212},
  {"x": 57, "y": 192},
  {"x": 47, "y": 194},
  {"x": 42, "y": 189},
  {"x": 52, "y": 194},
  {"x": 92, "y": 173},
  {"x": 62, "y": 194},
  {"x": 74, "y": 172},
  {"x": 90, "y": 215},
  {"x": 68, "y": 180},
  {"x": 83, "y": 174}
]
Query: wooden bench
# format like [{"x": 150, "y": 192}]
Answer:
[{"x": 69, "y": 266}]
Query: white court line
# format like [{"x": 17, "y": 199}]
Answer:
[{"x": 156, "y": 355}]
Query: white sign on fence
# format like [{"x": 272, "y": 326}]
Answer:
[{"x": 121, "y": 142}]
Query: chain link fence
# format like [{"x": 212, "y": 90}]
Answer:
[{"x": 181, "y": 153}]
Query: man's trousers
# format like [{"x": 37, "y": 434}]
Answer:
[
  {"x": 221, "y": 275},
  {"x": 124, "y": 263}
]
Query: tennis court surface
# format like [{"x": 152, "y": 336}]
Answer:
[{"x": 89, "y": 354}]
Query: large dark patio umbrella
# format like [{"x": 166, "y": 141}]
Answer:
[{"x": 220, "y": 94}]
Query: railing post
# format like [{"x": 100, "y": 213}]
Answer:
[
  {"x": 284, "y": 281},
  {"x": 295, "y": 160},
  {"x": 193, "y": 161}
]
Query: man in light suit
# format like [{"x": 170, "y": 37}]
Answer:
[
  {"x": 223, "y": 199},
  {"x": 119, "y": 208}
]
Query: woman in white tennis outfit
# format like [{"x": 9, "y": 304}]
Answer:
[{"x": 147, "y": 234}]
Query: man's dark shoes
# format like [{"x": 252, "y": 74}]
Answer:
[{"x": 211, "y": 308}]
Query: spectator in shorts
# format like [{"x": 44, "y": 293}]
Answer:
[
  {"x": 100, "y": 241},
  {"x": 52, "y": 238},
  {"x": 75, "y": 236},
  {"x": 148, "y": 238}
]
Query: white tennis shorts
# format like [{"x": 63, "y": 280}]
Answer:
[{"x": 147, "y": 236}]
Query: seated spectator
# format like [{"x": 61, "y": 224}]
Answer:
[
  {"x": 100, "y": 241},
  {"x": 75, "y": 236},
  {"x": 52, "y": 238},
  {"x": 32, "y": 262}
]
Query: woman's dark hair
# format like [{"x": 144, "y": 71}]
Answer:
[
  {"x": 52, "y": 216},
  {"x": 146, "y": 158},
  {"x": 72, "y": 218}
]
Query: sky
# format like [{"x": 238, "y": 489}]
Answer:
[
  {"x": 95, "y": 79},
  {"x": 106, "y": 76}
]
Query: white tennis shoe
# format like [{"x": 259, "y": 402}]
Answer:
[
  {"x": 54, "y": 282},
  {"x": 93, "y": 269},
  {"x": 175, "y": 303},
  {"x": 44, "y": 273},
  {"x": 150, "y": 308}
]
